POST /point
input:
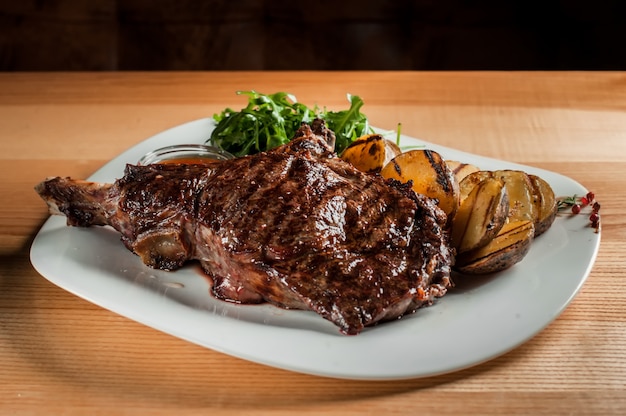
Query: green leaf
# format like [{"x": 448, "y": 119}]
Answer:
[{"x": 271, "y": 120}]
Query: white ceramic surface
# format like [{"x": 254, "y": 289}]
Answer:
[{"x": 482, "y": 318}]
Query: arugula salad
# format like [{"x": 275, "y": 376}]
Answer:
[{"x": 270, "y": 120}]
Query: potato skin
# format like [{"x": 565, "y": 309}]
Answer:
[
  {"x": 370, "y": 153},
  {"x": 430, "y": 176},
  {"x": 509, "y": 247}
]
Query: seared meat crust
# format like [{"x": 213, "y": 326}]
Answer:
[{"x": 296, "y": 227}]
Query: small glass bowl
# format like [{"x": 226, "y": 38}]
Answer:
[{"x": 185, "y": 153}]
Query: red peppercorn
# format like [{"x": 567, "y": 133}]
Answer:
[
  {"x": 596, "y": 207},
  {"x": 594, "y": 217},
  {"x": 576, "y": 209},
  {"x": 590, "y": 196}
]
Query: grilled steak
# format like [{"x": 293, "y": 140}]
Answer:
[{"x": 295, "y": 226}]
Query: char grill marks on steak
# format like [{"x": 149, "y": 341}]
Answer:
[{"x": 295, "y": 226}]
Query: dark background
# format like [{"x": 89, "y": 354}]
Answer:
[{"x": 108, "y": 35}]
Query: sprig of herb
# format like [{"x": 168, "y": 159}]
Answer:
[
  {"x": 270, "y": 120},
  {"x": 566, "y": 202},
  {"x": 398, "y": 134}
]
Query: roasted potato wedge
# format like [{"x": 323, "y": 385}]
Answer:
[
  {"x": 430, "y": 176},
  {"x": 469, "y": 182},
  {"x": 530, "y": 197},
  {"x": 509, "y": 247},
  {"x": 480, "y": 216},
  {"x": 460, "y": 169},
  {"x": 370, "y": 153},
  {"x": 521, "y": 198},
  {"x": 545, "y": 203}
]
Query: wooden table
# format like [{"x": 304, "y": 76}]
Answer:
[{"x": 60, "y": 354}]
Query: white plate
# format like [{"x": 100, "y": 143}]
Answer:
[{"x": 482, "y": 318}]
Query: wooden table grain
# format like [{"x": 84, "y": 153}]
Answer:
[{"x": 60, "y": 354}]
